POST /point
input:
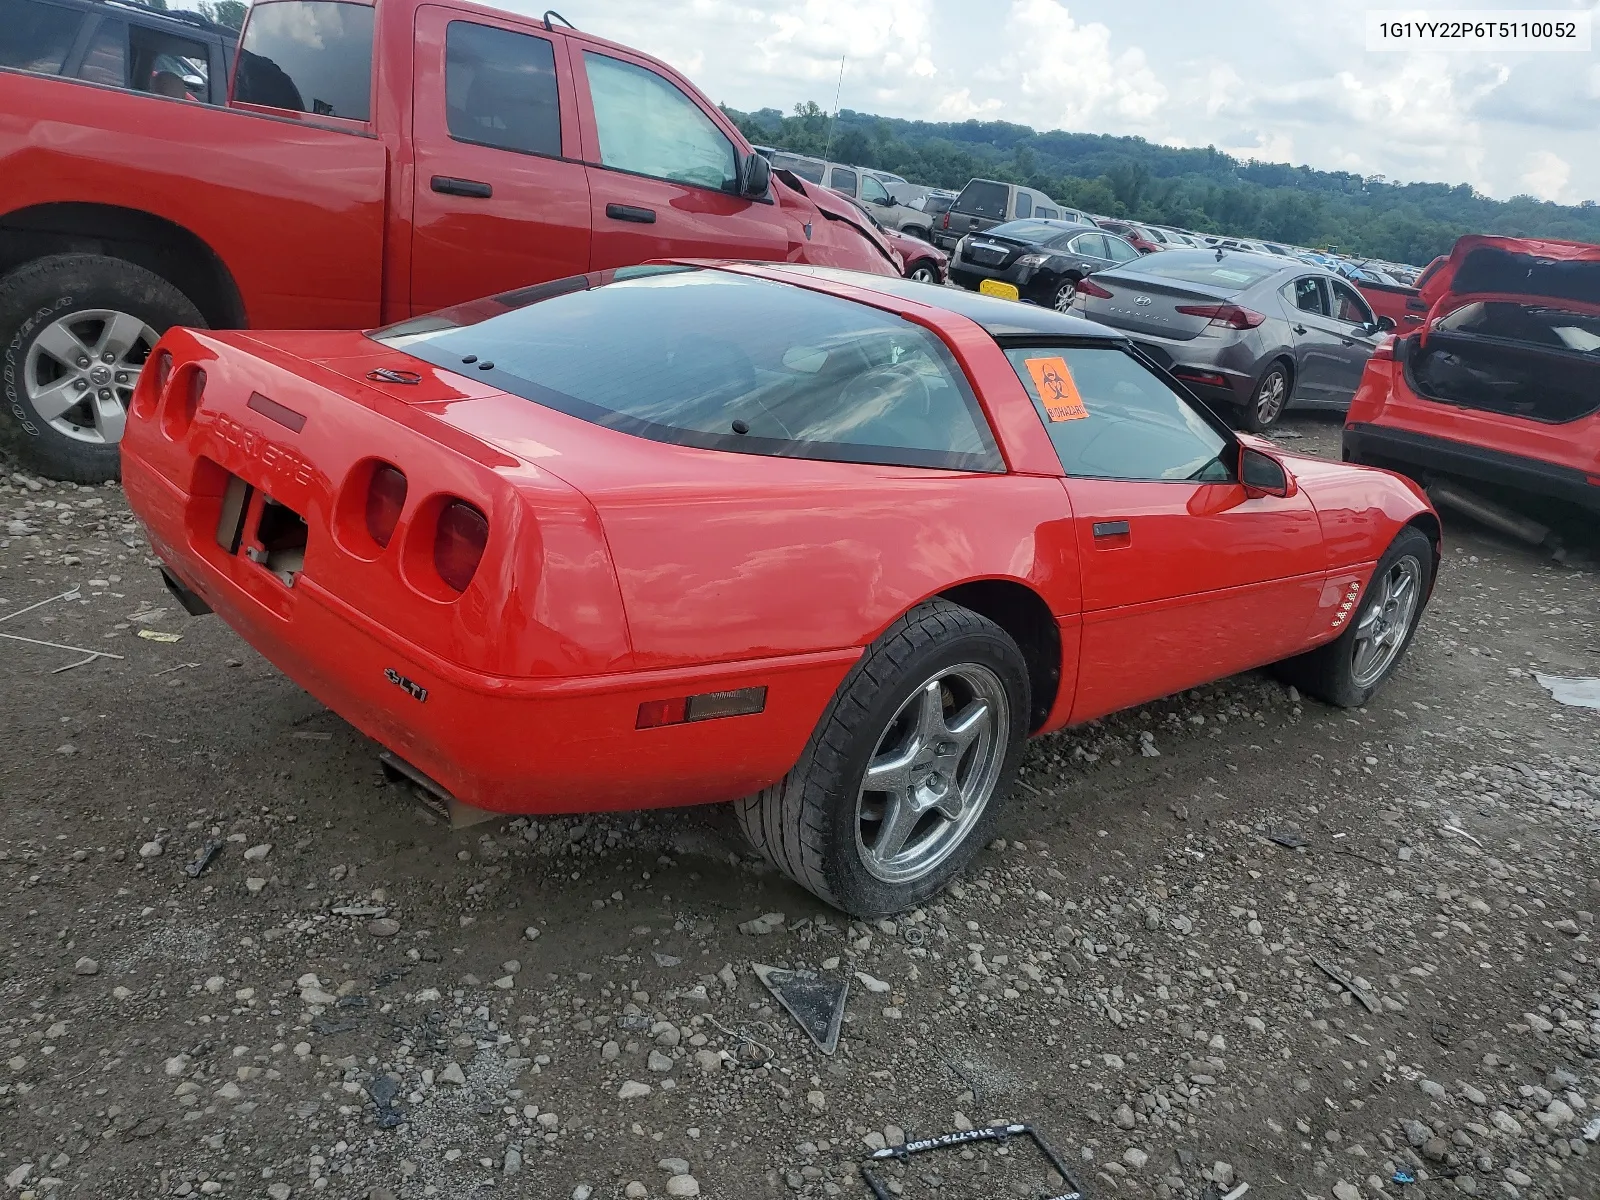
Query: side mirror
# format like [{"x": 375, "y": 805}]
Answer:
[
  {"x": 884, "y": 201},
  {"x": 1385, "y": 324},
  {"x": 1263, "y": 475},
  {"x": 757, "y": 176}
]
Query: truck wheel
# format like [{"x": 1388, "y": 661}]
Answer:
[
  {"x": 903, "y": 778},
  {"x": 75, "y": 331},
  {"x": 1347, "y": 671}
]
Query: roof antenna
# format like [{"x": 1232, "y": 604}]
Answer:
[
  {"x": 829, "y": 146},
  {"x": 553, "y": 13}
]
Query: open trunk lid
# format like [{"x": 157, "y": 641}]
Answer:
[{"x": 1544, "y": 271}]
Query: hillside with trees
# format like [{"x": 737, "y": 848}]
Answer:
[{"x": 1201, "y": 189}]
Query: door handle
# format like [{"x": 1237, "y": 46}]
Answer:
[
  {"x": 629, "y": 212},
  {"x": 1106, "y": 529},
  {"x": 1299, "y": 328},
  {"x": 1348, "y": 341},
  {"x": 446, "y": 186}
]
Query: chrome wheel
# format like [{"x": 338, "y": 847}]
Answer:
[
  {"x": 1385, "y": 621},
  {"x": 924, "y": 274},
  {"x": 81, "y": 370},
  {"x": 1270, "y": 397},
  {"x": 932, "y": 773},
  {"x": 1065, "y": 295}
]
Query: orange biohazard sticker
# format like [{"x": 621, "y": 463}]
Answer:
[{"x": 1057, "y": 392}]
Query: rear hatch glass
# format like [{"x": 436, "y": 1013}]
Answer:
[
  {"x": 1146, "y": 294},
  {"x": 1538, "y": 361},
  {"x": 720, "y": 361},
  {"x": 983, "y": 198}
]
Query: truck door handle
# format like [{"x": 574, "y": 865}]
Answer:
[
  {"x": 1106, "y": 529},
  {"x": 446, "y": 186},
  {"x": 628, "y": 212}
]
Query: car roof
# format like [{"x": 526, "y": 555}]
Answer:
[{"x": 999, "y": 318}]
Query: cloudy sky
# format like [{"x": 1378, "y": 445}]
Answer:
[{"x": 1282, "y": 80}]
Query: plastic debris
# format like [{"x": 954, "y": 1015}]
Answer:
[
  {"x": 1591, "y": 1131},
  {"x": 815, "y": 1002},
  {"x": 155, "y": 635},
  {"x": 196, "y": 866},
  {"x": 1291, "y": 841},
  {"x": 1403, "y": 1177},
  {"x": 1580, "y": 692},
  {"x": 966, "y": 1137}
]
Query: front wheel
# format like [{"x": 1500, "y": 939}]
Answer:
[
  {"x": 903, "y": 778},
  {"x": 1347, "y": 671},
  {"x": 923, "y": 272}
]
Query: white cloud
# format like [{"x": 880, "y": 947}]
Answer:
[
  {"x": 1069, "y": 77},
  {"x": 1546, "y": 175}
]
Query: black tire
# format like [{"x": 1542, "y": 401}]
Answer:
[
  {"x": 1329, "y": 672},
  {"x": 809, "y": 823},
  {"x": 1261, "y": 412},
  {"x": 1066, "y": 292},
  {"x": 33, "y": 299},
  {"x": 923, "y": 271}
]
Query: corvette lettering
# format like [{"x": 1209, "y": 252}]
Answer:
[{"x": 275, "y": 458}]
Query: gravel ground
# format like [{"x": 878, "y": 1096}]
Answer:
[{"x": 1228, "y": 938}]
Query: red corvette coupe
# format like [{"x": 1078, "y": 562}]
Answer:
[
  {"x": 1501, "y": 386},
  {"x": 826, "y": 544}
]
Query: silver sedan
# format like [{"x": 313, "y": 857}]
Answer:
[{"x": 1252, "y": 331}]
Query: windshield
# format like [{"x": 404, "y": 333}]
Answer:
[
  {"x": 1229, "y": 272},
  {"x": 719, "y": 361}
]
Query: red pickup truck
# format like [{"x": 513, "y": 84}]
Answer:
[{"x": 374, "y": 161}]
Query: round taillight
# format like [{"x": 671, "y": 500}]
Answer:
[
  {"x": 386, "y": 497},
  {"x": 458, "y": 543},
  {"x": 181, "y": 401}
]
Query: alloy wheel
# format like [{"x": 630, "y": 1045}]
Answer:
[
  {"x": 81, "y": 370},
  {"x": 924, "y": 274},
  {"x": 1270, "y": 397},
  {"x": 1065, "y": 295},
  {"x": 1385, "y": 622},
  {"x": 932, "y": 773}
]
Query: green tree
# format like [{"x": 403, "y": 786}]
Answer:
[{"x": 227, "y": 13}]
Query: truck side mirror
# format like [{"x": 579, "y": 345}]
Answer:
[{"x": 757, "y": 175}]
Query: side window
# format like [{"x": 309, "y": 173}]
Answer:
[
  {"x": 1348, "y": 305},
  {"x": 310, "y": 56},
  {"x": 843, "y": 180},
  {"x": 500, "y": 89},
  {"x": 1119, "y": 250},
  {"x": 106, "y": 59},
  {"x": 873, "y": 192},
  {"x": 166, "y": 65},
  {"x": 1109, "y": 417},
  {"x": 38, "y": 36},
  {"x": 1046, "y": 214},
  {"x": 1024, "y": 204},
  {"x": 983, "y": 198},
  {"x": 647, "y": 126},
  {"x": 1307, "y": 295},
  {"x": 1091, "y": 244}
]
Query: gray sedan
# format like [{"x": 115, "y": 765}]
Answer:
[{"x": 1249, "y": 330}]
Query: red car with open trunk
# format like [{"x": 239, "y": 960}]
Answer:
[
  {"x": 374, "y": 161},
  {"x": 1501, "y": 385},
  {"x": 827, "y": 544}
]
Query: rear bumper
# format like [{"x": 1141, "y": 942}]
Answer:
[
  {"x": 1382, "y": 446},
  {"x": 516, "y": 745}
]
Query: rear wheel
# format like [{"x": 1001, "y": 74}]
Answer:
[
  {"x": 902, "y": 780},
  {"x": 1065, "y": 295},
  {"x": 1347, "y": 671},
  {"x": 1270, "y": 398},
  {"x": 75, "y": 332}
]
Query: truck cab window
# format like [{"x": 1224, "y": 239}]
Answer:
[
  {"x": 648, "y": 127},
  {"x": 106, "y": 59},
  {"x": 310, "y": 56},
  {"x": 500, "y": 89}
]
